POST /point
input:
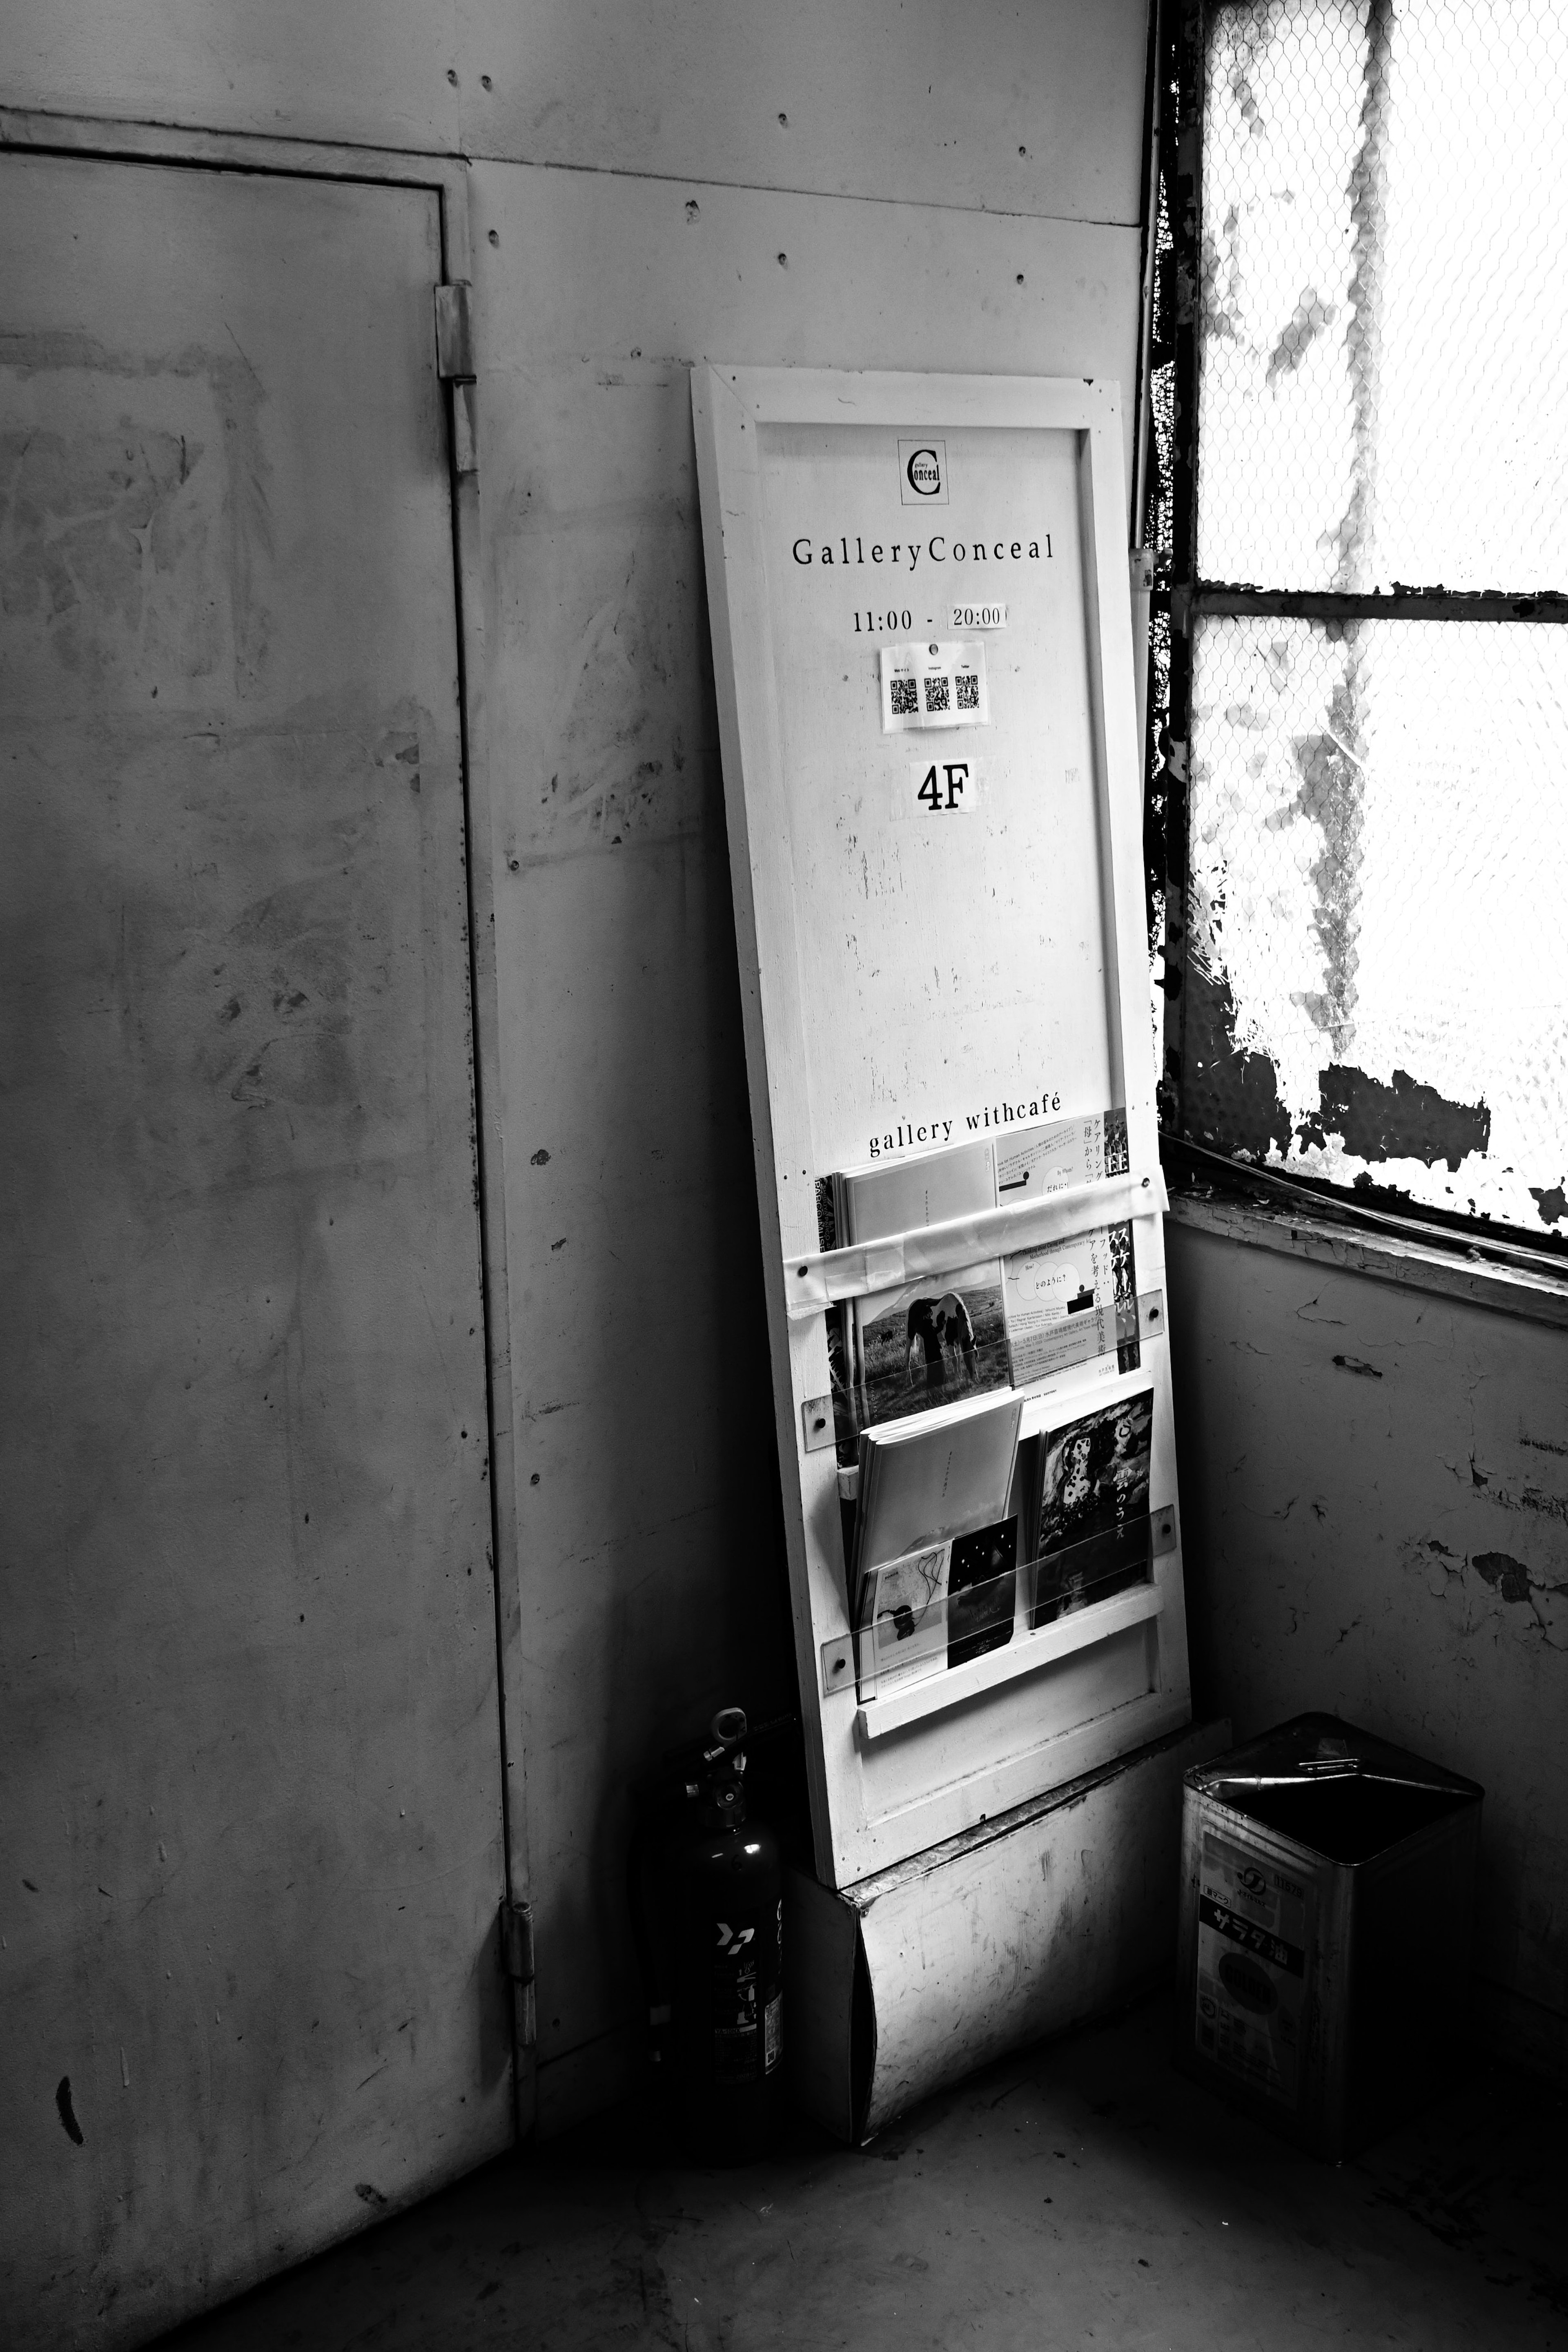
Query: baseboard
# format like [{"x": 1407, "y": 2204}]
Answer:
[
  {"x": 1519, "y": 2031},
  {"x": 585, "y": 2081}
]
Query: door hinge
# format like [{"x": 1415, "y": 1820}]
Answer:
[
  {"x": 518, "y": 1942},
  {"x": 455, "y": 366},
  {"x": 453, "y": 334},
  {"x": 517, "y": 1960}
]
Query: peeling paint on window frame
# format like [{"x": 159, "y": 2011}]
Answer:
[{"x": 1181, "y": 596}]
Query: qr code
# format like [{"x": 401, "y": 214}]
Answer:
[
  {"x": 937, "y": 697},
  {"x": 967, "y": 682},
  {"x": 905, "y": 699}
]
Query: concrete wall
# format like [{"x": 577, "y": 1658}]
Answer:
[
  {"x": 887, "y": 186},
  {"x": 992, "y": 107},
  {"x": 642, "y": 1372},
  {"x": 1374, "y": 1494}
]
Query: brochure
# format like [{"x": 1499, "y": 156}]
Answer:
[
  {"x": 922, "y": 1482},
  {"x": 1016, "y": 1322},
  {"x": 939, "y": 1607},
  {"x": 1092, "y": 1512}
]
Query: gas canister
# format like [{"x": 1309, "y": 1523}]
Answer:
[{"x": 719, "y": 2034}]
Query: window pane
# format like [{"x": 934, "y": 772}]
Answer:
[
  {"x": 1384, "y": 387},
  {"x": 1376, "y": 975}
]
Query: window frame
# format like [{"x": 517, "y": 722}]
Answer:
[{"x": 1389, "y": 1220}]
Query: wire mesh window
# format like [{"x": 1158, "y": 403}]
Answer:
[{"x": 1359, "y": 499}]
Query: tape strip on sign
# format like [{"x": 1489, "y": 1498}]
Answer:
[{"x": 812, "y": 1283}]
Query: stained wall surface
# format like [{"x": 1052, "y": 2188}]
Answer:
[
  {"x": 886, "y": 186},
  {"x": 999, "y": 109},
  {"x": 651, "y": 1589},
  {"x": 1374, "y": 1494}
]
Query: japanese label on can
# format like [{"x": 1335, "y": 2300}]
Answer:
[
  {"x": 1254, "y": 1929},
  {"x": 773, "y": 2025}
]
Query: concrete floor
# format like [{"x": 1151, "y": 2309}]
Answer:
[{"x": 1079, "y": 2194}]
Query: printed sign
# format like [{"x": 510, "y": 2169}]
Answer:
[
  {"x": 1254, "y": 1929},
  {"x": 934, "y": 788},
  {"x": 942, "y": 683},
  {"x": 977, "y": 616}
]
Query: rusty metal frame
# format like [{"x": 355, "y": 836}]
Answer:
[
  {"x": 1179, "y": 64},
  {"x": 1180, "y": 52},
  {"x": 1335, "y": 605}
]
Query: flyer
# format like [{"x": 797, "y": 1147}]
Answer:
[
  {"x": 1093, "y": 1514},
  {"x": 1070, "y": 1301},
  {"x": 906, "y": 1618}
]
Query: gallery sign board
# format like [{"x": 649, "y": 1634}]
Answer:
[{"x": 923, "y": 653}]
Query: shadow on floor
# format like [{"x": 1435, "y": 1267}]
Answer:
[{"x": 1080, "y": 2193}]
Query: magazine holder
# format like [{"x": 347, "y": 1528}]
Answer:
[{"x": 918, "y": 588}]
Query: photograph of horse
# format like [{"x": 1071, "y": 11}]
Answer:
[{"x": 931, "y": 1342}]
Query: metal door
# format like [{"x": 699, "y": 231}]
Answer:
[{"x": 249, "y": 1739}]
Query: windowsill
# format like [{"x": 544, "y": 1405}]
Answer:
[{"x": 1416, "y": 1265}]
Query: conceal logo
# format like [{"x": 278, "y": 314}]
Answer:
[{"x": 923, "y": 473}]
